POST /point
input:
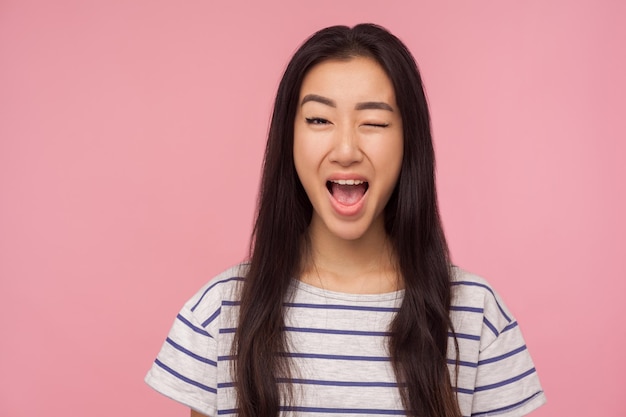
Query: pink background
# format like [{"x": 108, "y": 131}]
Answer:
[{"x": 131, "y": 137}]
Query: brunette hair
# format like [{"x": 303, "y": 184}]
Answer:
[{"x": 418, "y": 344}]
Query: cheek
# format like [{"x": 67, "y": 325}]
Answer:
[
  {"x": 303, "y": 156},
  {"x": 298, "y": 145},
  {"x": 387, "y": 154},
  {"x": 391, "y": 162},
  {"x": 308, "y": 150},
  {"x": 299, "y": 153}
]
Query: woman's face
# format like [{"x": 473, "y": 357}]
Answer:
[{"x": 348, "y": 145}]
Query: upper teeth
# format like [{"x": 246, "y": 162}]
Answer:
[{"x": 347, "y": 182}]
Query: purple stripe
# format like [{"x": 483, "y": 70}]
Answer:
[
  {"x": 192, "y": 327},
  {"x": 464, "y": 336},
  {"x": 505, "y": 382},
  {"x": 462, "y": 363},
  {"x": 190, "y": 353},
  {"x": 227, "y": 411},
  {"x": 338, "y": 332},
  {"x": 184, "y": 378},
  {"x": 342, "y": 307},
  {"x": 499, "y": 358},
  {"x": 491, "y": 327},
  {"x": 508, "y": 407},
  {"x": 477, "y": 284},
  {"x": 212, "y": 286},
  {"x": 358, "y": 411},
  {"x": 469, "y": 309},
  {"x": 227, "y": 330},
  {"x": 464, "y": 390},
  {"x": 213, "y": 317},
  {"x": 510, "y": 326}
]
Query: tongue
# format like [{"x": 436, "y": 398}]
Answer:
[{"x": 348, "y": 194}]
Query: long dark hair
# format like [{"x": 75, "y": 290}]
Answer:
[{"x": 419, "y": 332}]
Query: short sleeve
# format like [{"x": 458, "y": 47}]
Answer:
[
  {"x": 506, "y": 383},
  {"x": 192, "y": 366},
  {"x": 185, "y": 369}
]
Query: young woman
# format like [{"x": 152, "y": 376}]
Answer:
[{"x": 349, "y": 304}]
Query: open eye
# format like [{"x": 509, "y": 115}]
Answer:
[{"x": 316, "y": 121}]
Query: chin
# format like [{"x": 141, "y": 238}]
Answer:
[
  {"x": 349, "y": 235},
  {"x": 350, "y": 231}
]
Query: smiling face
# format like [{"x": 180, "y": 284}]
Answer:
[{"x": 348, "y": 146}]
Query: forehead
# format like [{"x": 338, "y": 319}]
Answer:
[{"x": 354, "y": 79}]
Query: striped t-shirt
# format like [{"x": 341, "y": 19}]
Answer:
[{"x": 339, "y": 356}]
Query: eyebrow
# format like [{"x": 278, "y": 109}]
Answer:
[
  {"x": 373, "y": 105},
  {"x": 367, "y": 105}
]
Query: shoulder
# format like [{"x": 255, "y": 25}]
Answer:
[
  {"x": 496, "y": 374},
  {"x": 469, "y": 282},
  {"x": 469, "y": 288},
  {"x": 225, "y": 282},
  {"x": 222, "y": 289},
  {"x": 187, "y": 367},
  {"x": 473, "y": 297}
]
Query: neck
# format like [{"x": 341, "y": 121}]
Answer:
[{"x": 365, "y": 265}]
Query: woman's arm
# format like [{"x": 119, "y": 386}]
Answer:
[{"x": 196, "y": 414}]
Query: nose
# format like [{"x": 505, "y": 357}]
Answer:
[{"x": 346, "y": 147}]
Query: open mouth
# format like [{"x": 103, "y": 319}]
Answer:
[{"x": 347, "y": 192}]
